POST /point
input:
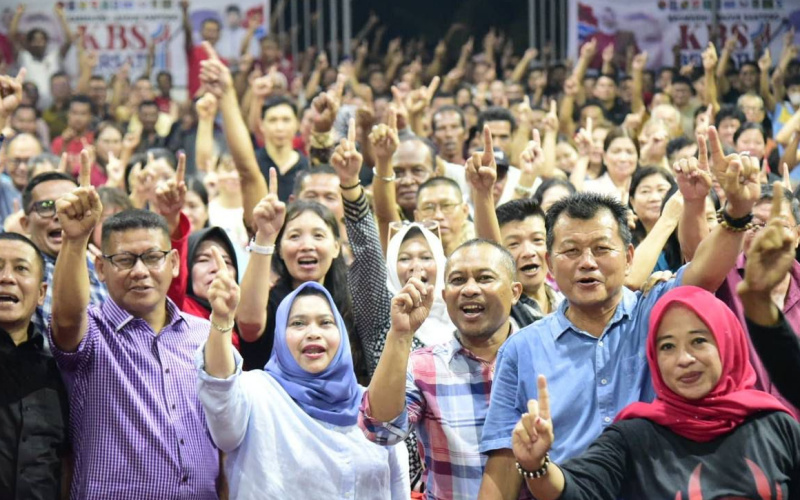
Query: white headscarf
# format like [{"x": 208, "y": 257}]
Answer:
[{"x": 438, "y": 328}]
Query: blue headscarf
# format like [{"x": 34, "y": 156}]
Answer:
[{"x": 332, "y": 395}]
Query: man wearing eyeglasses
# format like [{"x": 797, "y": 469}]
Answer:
[
  {"x": 21, "y": 148},
  {"x": 139, "y": 430},
  {"x": 786, "y": 295},
  {"x": 44, "y": 227},
  {"x": 439, "y": 199}
]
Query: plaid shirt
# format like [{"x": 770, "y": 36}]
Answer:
[
  {"x": 447, "y": 398},
  {"x": 98, "y": 293}
]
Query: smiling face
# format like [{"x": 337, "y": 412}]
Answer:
[
  {"x": 308, "y": 248},
  {"x": 526, "y": 240},
  {"x": 752, "y": 142},
  {"x": 621, "y": 159},
  {"x": 312, "y": 335},
  {"x": 21, "y": 286},
  {"x": 204, "y": 268},
  {"x": 648, "y": 197},
  {"x": 280, "y": 124},
  {"x": 688, "y": 357},
  {"x": 46, "y": 231},
  {"x": 415, "y": 258},
  {"x": 589, "y": 260},
  {"x": 443, "y": 204}
]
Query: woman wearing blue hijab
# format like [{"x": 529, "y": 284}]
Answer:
[{"x": 289, "y": 431}]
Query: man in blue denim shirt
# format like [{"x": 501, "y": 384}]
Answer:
[{"x": 592, "y": 348}]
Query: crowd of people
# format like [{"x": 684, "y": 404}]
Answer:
[{"x": 449, "y": 272}]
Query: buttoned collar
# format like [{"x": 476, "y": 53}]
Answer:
[
  {"x": 35, "y": 340},
  {"x": 119, "y": 318},
  {"x": 624, "y": 309}
]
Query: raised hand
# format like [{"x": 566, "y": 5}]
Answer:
[
  {"x": 10, "y": 95},
  {"x": 532, "y": 157},
  {"x": 131, "y": 141},
  {"x": 214, "y": 74},
  {"x": 533, "y": 435},
  {"x": 171, "y": 194},
  {"x": 771, "y": 254},
  {"x": 270, "y": 213},
  {"x": 346, "y": 159},
  {"x": 384, "y": 139},
  {"x": 223, "y": 294},
  {"x": 765, "y": 61},
  {"x": 206, "y": 107},
  {"x": 418, "y": 100},
  {"x": 79, "y": 211},
  {"x": 588, "y": 49},
  {"x": 694, "y": 179},
  {"x": 481, "y": 168},
  {"x": 583, "y": 139},
  {"x": 710, "y": 57},
  {"x": 608, "y": 53},
  {"x": 550, "y": 122},
  {"x": 639, "y": 62},
  {"x": 116, "y": 172},
  {"x": 327, "y": 106},
  {"x": 411, "y": 306},
  {"x": 738, "y": 175}
]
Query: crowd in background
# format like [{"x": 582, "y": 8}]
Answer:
[{"x": 440, "y": 271}]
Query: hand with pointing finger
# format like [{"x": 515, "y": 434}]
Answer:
[
  {"x": 170, "y": 196},
  {"x": 269, "y": 214},
  {"x": 10, "y": 95},
  {"x": 223, "y": 294},
  {"x": 80, "y": 211},
  {"x": 692, "y": 174},
  {"x": 533, "y": 435},
  {"x": 346, "y": 159},
  {"x": 481, "y": 168}
]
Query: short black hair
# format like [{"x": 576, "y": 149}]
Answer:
[
  {"x": 507, "y": 258},
  {"x": 278, "y": 101},
  {"x": 518, "y": 211},
  {"x": 164, "y": 73},
  {"x": 233, "y": 8},
  {"x": 147, "y": 103},
  {"x": 440, "y": 181},
  {"x": 729, "y": 111},
  {"x": 749, "y": 126},
  {"x": 584, "y": 206},
  {"x": 27, "y": 193},
  {"x": 496, "y": 114},
  {"x": 128, "y": 220},
  {"x": 300, "y": 178},
  {"x": 449, "y": 109},
  {"x": 767, "y": 193},
  {"x": 684, "y": 80},
  {"x": 32, "y": 33},
  {"x": 211, "y": 20},
  {"x": 749, "y": 63},
  {"x": 538, "y": 196},
  {"x": 81, "y": 99},
  {"x": 675, "y": 145},
  {"x": 27, "y": 241},
  {"x": 24, "y": 107}
]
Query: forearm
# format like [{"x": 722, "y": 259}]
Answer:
[
  {"x": 565, "y": 113},
  {"x": 760, "y": 309},
  {"x": 204, "y": 144},
  {"x": 384, "y": 194},
  {"x": 548, "y": 487},
  {"x": 218, "y": 353},
  {"x": 387, "y": 390},
  {"x": 501, "y": 480},
  {"x": 434, "y": 68},
  {"x": 187, "y": 32},
  {"x": 486, "y": 225},
  {"x": 254, "y": 112},
  {"x": 70, "y": 295},
  {"x": 549, "y": 150},
  {"x": 244, "y": 48},
  {"x": 712, "y": 94},
  {"x": 578, "y": 175},
  {"x": 790, "y": 152},
  {"x": 637, "y": 95},
  {"x": 251, "y": 315},
  {"x": 520, "y": 69},
  {"x": 766, "y": 93},
  {"x": 715, "y": 257},
  {"x": 519, "y": 141},
  {"x": 646, "y": 255},
  {"x": 693, "y": 227},
  {"x": 785, "y": 133}
]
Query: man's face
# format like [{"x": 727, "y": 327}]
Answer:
[
  {"x": 605, "y": 89},
  {"x": 501, "y": 135},
  {"x": 233, "y": 19},
  {"x": 727, "y": 129},
  {"x": 21, "y": 150},
  {"x": 681, "y": 94},
  {"x": 144, "y": 89},
  {"x": 148, "y": 115},
  {"x": 589, "y": 260},
  {"x": 761, "y": 214},
  {"x": 164, "y": 83},
  {"x": 279, "y": 125},
  {"x": 753, "y": 108},
  {"x": 443, "y": 204},
  {"x": 450, "y": 134},
  {"x": 526, "y": 240},
  {"x": 626, "y": 90},
  {"x": 38, "y": 45},
  {"x": 324, "y": 189},
  {"x": 45, "y": 230},
  {"x": 377, "y": 80},
  {"x": 24, "y": 121},
  {"x": 269, "y": 49},
  {"x": 98, "y": 93},
  {"x": 479, "y": 291},
  {"x": 59, "y": 87},
  {"x": 139, "y": 290},
  {"x": 22, "y": 288},
  {"x": 413, "y": 165},
  {"x": 79, "y": 117},
  {"x": 210, "y": 32},
  {"x": 748, "y": 78}
]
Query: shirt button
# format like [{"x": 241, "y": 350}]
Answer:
[
  {"x": 166, "y": 371},
  {"x": 181, "y": 441},
  {"x": 604, "y": 381},
  {"x": 600, "y": 343},
  {"x": 185, "y": 479},
  {"x": 173, "y": 406},
  {"x": 607, "y": 419}
]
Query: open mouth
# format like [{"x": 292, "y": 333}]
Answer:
[
  {"x": 530, "y": 268},
  {"x": 54, "y": 235},
  {"x": 313, "y": 351},
  {"x": 588, "y": 282},
  {"x": 307, "y": 262},
  {"x": 7, "y": 298},
  {"x": 472, "y": 310}
]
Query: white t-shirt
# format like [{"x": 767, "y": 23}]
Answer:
[{"x": 39, "y": 72}]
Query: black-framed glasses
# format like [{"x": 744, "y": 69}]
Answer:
[
  {"x": 153, "y": 259},
  {"x": 45, "y": 208}
]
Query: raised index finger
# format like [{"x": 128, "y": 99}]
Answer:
[
  {"x": 777, "y": 200},
  {"x": 433, "y": 87},
  {"x": 85, "y": 174},
  {"x": 222, "y": 267},
  {"x": 180, "y": 174},
  {"x": 488, "y": 148},
  {"x": 273, "y": 181},
  {"x": 391, "y": 120},
  {"x": 212, "y": 54},
  {"x": 544, "y": 398},
  {"x": 351, "y": 131},
  {"x": 716, "y": 145}
]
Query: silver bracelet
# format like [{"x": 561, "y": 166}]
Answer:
[
  {"x": 384, "y": 179},
  {"x": 261, "y": 250},
  {"x": 220, "y": 328}
]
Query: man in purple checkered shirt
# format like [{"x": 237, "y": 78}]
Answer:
[{"x": 136, "y": 423}]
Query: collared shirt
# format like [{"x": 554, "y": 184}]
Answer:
[
  {"x": 33, "y": 419},
  {"x": 274, "y": 449},
  {"x": 136, "y": 421},
  {"x": 791, "y": 310},
  {"x": 591, "y": 378},
  {"x": 527, "y": 310},
  {"x": 98, "y": 292},
  {"x": 447, "y": 397}
]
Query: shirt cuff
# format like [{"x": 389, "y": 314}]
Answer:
[
  {"x": 356, "y": 210},
  {"x": 212, "y": 383}
]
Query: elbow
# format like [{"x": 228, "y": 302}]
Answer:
[{"x": 250, "y": 330}]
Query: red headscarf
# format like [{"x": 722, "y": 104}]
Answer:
[{"x": 731, "y": 401}]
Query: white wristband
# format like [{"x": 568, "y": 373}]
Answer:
[{"x": 261, "y": 250}]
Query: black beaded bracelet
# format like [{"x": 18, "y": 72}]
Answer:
[
  {"x": 348, "y": 188},
  {"x": 736, "y": 225},
  {"x": 537, "y": 473}
]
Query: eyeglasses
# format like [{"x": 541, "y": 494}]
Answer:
[
  {"x": 153, "y": 259},
  {"x": 46, "y": 209},
  {"x": 430, "y": 208},
  {"x": 15, "y": 162}
]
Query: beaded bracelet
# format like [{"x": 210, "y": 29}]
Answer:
[
  {"x": 536, "y": 474},
  {"x": 735, "y": 225}
]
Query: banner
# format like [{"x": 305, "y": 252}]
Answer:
[
  {"x": 121, "y": 30},
  {"x": 658, "y": 26}
]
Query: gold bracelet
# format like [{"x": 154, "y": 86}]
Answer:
[{"x": 219, "y": 328}]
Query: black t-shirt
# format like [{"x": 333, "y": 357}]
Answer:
[
  {"x": 778, "y": 347},
  {"x": 286, "y": 180},
  {"x": 638, "y": 459}
]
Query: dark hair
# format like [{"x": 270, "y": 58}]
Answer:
[
  {"x": 159, "y": 153},
  {"x": 585, "y": 206},
  {"x": 677, "y": 144},
  {"x": 440, "y": 181},
  {"x": 449, "y": 109},
  {"x": 793, "y": 80},
  {"x": 114, "y": 197},
  {"x": 592, "y": 102},
  {"x": 81, "y": 99},
  {"x": 749, "y": 63},
  {"x": 684, "y": 80},
  {"x": 59, "y": 74},
  {"x": 27, "y": 193},
  {"x": 642, "y": 173},
  {"x": 545, "y": 186},
  {"x": 102, "y": 126},
  {"x": 27, "y": 241},
  {"x": 507, "y": 258},
  {"x": 164, "y": 73},
  {"x": 38, "y": 160},
  {"x": 128, "y": 220},
  {"x": 496, "y": 114},
  {"x": 767, "y": 193},
  {"x": 301, "y": 177},
  {"x": 233, "y": 8},
  {"x": 145, "y": 104},
  {"x": 97, "y": 78},
  {"x": 273, "y": 102},
  {"x": 729, "y": 111},
  {"x": 32, "y": 33},
  {"x": 749, "y": 126},
  {"x": 211, "y": 20},
  {"x": 194, "y": 185},
  {"x": 23, "y": 107},
  {"x": 518, "y": 210}
]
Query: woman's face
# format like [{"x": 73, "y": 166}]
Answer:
[
  {"x": 228, "y": 176},
  {"x": 312, "y": 335},
  {"x": 621, "y": 158},
  {"x": 553, "y": 195},
  {"x": 195, "y": 211},
  {"x": 204, "y": 268},
  {"x": 566, "y": 156},
  {"x": 648, "y": 198},
  {"x": 308, "y": 248},
  {"x": 598, "y": 140},
  {"x": 415, "y": 259},
  {"x": 688, "y": 357},
  {"x": 109, "y": 141},
  {"x": 752, "y": 142}
]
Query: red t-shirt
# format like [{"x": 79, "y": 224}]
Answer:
[
  {"x": 163, "y": 103},
  {"x": 195, "y": 57},
  {"x": 73, "y": 149}
]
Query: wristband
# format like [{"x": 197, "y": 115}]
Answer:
[
  {"x": 348, "y": 188},
  {"x": 524, "y": 191},
  {"x": 384, "y": 179},
  {"x": 736, "y": 225},
  {"x": 220, "y": 328},
  {"x": 536, "y": 474},
  {"x": 261, "y": 250}
]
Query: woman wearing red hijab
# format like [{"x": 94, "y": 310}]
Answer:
[{"x": 707, "y": 435}]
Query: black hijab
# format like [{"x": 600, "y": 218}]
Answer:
[{"x": 195, "y": 239}]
